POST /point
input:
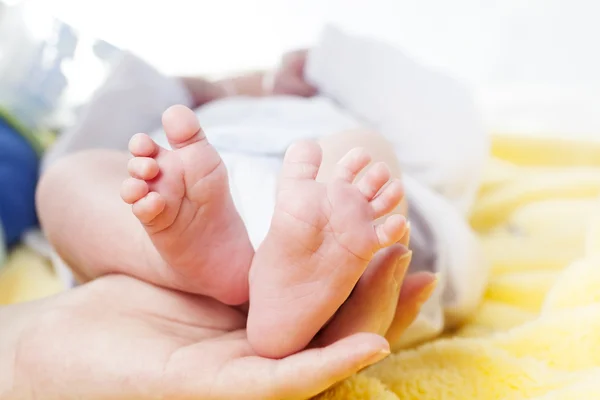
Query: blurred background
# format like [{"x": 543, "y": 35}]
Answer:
[{"x": 532, "y": 65}]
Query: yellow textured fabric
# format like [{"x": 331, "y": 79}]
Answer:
[
  {"x": 525, "y": 289},
  {"x": 536, "y": 334},
  {"x": 360, "y": 387},
  {"x": 26, "y": 276}
]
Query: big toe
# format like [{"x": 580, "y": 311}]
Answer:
[
  {"x": 302, "y": 161},
  {"x": 181, "y": 126}
]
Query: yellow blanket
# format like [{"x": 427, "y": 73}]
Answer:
[{"x": 537, "y": 333}]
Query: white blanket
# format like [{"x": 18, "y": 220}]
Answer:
[{"x": 428, "y": 117}]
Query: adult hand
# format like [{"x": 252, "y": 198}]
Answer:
[
  {"x": 118, "y": 338},
  {"x": 384, "y": 301},
  {"x": 289, "y": 79}
]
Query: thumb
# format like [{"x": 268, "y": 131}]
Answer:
[{"x": 310, "y": 372}]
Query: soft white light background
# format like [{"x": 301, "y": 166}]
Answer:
[{"x": 532, "y": 64}]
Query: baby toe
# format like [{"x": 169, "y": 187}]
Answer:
[
  {"x": 391, "y": 231},
  {"x": 148, "y": 207},
  {"x": 141, "y": 145},
  {"x": 145, "y": 168},
  {"x": 373, "y": 180},
  {"x": 182, "y": 127},
  {"x": 133, "y": 189},
  {"x": 302, "y": 161},
  {"x": 351, "y": 164},
  {"x": 388, "y": 198}
]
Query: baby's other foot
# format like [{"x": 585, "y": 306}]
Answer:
[
  {"x": 182, "y": 199},
  {"x": 321, "y": 239}
]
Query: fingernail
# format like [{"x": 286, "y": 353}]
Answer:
[
  {"x": 406, "y": 238},
  {"x": 427, "y": 291},
  {"x": 401, "y": 266},
  {"x": 375, "y": 358}
]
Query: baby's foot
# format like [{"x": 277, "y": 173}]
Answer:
[
  {"x": 321, "y": 239},
  {"x": 182, "y": 198}
]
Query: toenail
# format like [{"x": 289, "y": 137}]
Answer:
[{"x": 402, "y": 266}]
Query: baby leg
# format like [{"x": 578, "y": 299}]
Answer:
[
  {"x": 181, "y": 230},
  {"x": 86, "y": 221}
]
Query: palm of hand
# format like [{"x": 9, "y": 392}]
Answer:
[{"x": 121, "y": 338}]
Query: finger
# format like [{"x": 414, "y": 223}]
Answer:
[
  {"x": 372, "y": 305},
  {"x": 416, "y": 290},
  {"x": 230, "y": 370},
  {"x": 294, "y": 85},
  {"x": 310, "y": 372},
  {"x": 295, "y": 61},
  {"x": 405, "y": 240}
]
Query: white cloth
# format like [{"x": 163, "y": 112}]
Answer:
[{"x": 428, "y": 117}]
